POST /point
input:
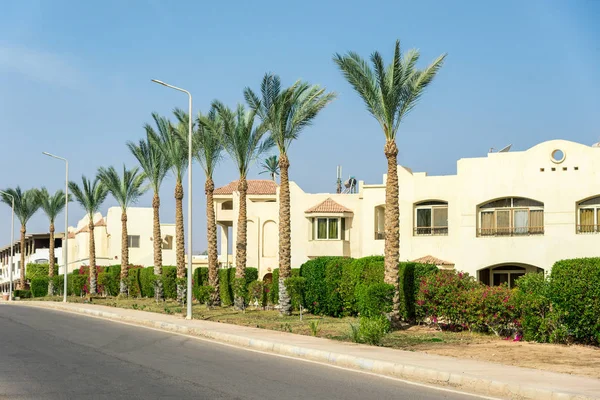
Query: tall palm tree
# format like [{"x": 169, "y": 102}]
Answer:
[
  {"x": 285, "y": 113},
  {"x": 126, "y": 189},
  {"x": 270, "y": 166},
  {"x": 208, "y": 151},
  {"x": 155, "y": 167},
  {"x": 172, "y": 142},
  {"x": 52, "y": 205},
  {"x": 90, "y": 196},
  {"x": 243, "y": 140},
  {"x": 389, "y": 93},
  {"x": 26, "y": 204}
]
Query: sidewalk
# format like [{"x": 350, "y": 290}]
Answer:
[{"x": 468, "y": 375}]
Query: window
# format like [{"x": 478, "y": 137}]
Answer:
[
  {"x": 431, "y": 218},
  {"x": 133, "y": 241},
  {"x": 512, "y": 216},
  {"x": 588, "y": 215},
  {"x": 328, "y": 228},
  {"x": 380, "y": 222},
  {"x": 228, "y": 205},
  {"x": 167, "y": 244}
]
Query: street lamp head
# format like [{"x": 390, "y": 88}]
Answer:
[{"x": 159, "y": 82}]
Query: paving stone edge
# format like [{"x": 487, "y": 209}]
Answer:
[{"x": 468, "y": 383}]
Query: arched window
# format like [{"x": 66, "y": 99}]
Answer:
[
  {"x": 588, "y": 215},
  {"x": 227, "y": 205},
  {"x": 431, "y": 218},
  {"x": 379, "y": 222},
  {"x": 511, "y": 216}
]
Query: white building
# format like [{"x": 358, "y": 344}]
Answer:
[
  {"x": 500, "y": 216},
  {"x": 37, "y": 250}
]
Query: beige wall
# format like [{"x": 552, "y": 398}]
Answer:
[{"x": 478, "y": 180}]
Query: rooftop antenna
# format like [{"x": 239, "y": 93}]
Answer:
[
  {"x": 339, "y": 179},
  {"x": 505, "y": 149}
]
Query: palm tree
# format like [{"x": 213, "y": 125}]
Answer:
[
  {"x": 126, "y": 190},
  {"x": 26, "y": 204},
  {"x": 270, "y": 166},
  {"x": 209, "y": 149},
  {"x": 155, "y": 167},
  {"x": 389, "y": 93},
  {"x": 90, "y": 196},
  {"x": 285, "y": 113},
  {"x": 52, "y": 205},
  {"x": 244, "y": 143},
  {"x": 172, "y": 143}
]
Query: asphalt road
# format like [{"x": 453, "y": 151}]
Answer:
[{"x": 47, "y": 354}]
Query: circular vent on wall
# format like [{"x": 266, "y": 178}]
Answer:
[{"x": 558, "y": 156}]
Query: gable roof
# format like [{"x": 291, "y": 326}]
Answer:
[
  {"x": 86, "y": 228},
  {"x": 432, "y": 260},
  {"x": 255, "y": 187},
  {"x": 328, "y": 206}
]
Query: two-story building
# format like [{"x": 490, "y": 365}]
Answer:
[{"x": 499, "y": 217}]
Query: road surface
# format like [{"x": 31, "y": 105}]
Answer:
[{"x": 46, "y": 354}]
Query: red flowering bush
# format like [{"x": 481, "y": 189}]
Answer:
[{"x": 456, "y": 301}]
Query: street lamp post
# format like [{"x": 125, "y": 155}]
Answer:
[
  {"x": 12, "y": 246},
  {"x": 189, "y": 272},
  {"x": 65, "y": 249}
]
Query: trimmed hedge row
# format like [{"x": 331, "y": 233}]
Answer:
[
  {"x": 33, "y": 271},
  {"x": 341, "y": 286}
]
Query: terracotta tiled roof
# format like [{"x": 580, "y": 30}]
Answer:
[
  {"x": 102, "y": 222},
  {"x": 328, "y": 206},
  {"x": 86, "y": 228},
  {"x": 431, "y": 260},
  {"x": 71, "y": 235},
  {"x": 255, "y": 186}
]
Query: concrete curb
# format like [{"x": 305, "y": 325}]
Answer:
[{"x": 466, "y": 382}]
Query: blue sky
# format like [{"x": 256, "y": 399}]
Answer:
[{"x": 75, "y": 81}]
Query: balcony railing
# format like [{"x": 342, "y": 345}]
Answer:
[
  {"x": 379, "y": 235},
  {"x": 588, "y": 228},
  {"x": 513, "y": 231},
  {"x": 431, "y": 231}
]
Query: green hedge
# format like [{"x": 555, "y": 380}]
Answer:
[
  {"x": 374, "y": 300},
  {"x": 75, "y": 284},
  {"x": 37, "y": 271},
  {"x": 22, "y": 294},
  {"x": 315, "y": 289},
  {"x": 410, "y": 276},
  {"x": 200, "y": 276},
  {"x": 226, "y": 283},
  {"x": 575, "y": 293},
  {"x": 273, "y": 295},
  {"x": 39, "y": 286},
  {"x": 109, "y": 283},
  {"x": 147, "y": 279},
  {"x": 169, "y": 276}
]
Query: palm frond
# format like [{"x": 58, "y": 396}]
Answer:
[
  {"x": 172, "y": 142},
  {"x": 270, "y": 165},
  {"x": 126, "y": 188},
  {"x": 151, "y": 159},
  {"x": 26, "y": 202},
  {"x": 52, "y": 204},
  {"x": 90, "y": 195}
]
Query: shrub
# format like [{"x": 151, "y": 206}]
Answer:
[
  {"x": 575, "y": 293},
  {"x": 295, "y": 287},
  {"x": 239, "y": 288},
  {"x": 133, "y": 282},
  {"x": 169, "y": 275},
  {"x": 273, "y": 294},
  {"x": 494, "y": 310},
  {"x": 22, "y": 294},
  {"x": 334, "y": 303},
  {"x": 226, "y": 277},
  {"x": 109, "y": 283},
  {"x": 375, "y": 299},
  {"x": 76, "y": 283},
  {"x": 59, "y": 285},
  {"x": 315, "y": 327},
  {"x": 410, "y": 276},
  {"x": 444, "y": 298},
  {"x": 147, "y": 281},
  {"x": 316, "y": 289},
  {"x": 200, "y": 276},
  {"x": 257, "y": 293},
  {"x": 203, "y": 293},
  {"x": 39, "y": 286},
  {"x": 372, "y": 330},
  {"x": 37, "y": 271}
]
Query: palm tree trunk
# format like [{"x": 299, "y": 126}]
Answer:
[
  {"x": 93, "y": 277},
  {"x": 285, "y": 242},
  {"x": 211, "y": 230},
  {"x": 51, "y": 263},
  {"x": 241, "y": 242},
  {"x": 180, "y": 242},
  {"x": 124, "y": 253},
  {"x": 392, "y": 225},
  {"x": 21, "y": 281},
  {"x": 158, "y": 287}
]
